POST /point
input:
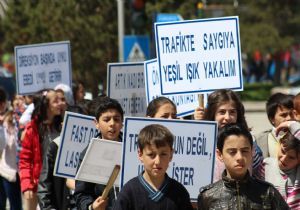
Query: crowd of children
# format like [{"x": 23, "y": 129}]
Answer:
[{"x": 251, "y": 171}]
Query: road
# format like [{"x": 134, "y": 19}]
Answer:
[{"x": 256, "y": 116}]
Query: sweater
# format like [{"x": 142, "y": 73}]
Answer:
[{"x": 138, "y": 194}]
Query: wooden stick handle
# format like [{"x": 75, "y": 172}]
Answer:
[
  {"x": 111, "y": 181},
  {"x": 201, "y": 100}
]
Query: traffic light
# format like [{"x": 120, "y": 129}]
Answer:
[
  {"x": 138, "y": 17},
  {"x": 200, "y": 7}
]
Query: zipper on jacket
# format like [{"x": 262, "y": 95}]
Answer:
[{"x": 238, "y": 195}]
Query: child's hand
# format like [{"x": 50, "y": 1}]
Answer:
[
  {"x": 99, "y": 204},
  {"x": 199, "y": 113},
  {"x": 284, "y": 126}
]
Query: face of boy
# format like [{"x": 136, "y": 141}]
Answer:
[
  {"x": 282, "y": 114},
  {"x": 287, "y": 159},
  {"x": 226, "y": 114},
  {"x": 110, "y": 124},
  {"x": 296, "y": 113},
  {"x": 156, "y": 161},
  {"x": 236, "y": 155}
]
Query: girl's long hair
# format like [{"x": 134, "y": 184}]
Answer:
[
  {"x": 39, "y": 114},
  {"x": 220, "y": 97}
]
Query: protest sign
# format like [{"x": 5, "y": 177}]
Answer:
[
  {"x": 99, "y": 161},
  {"x": 185, "y": 103},
  {"x": 199, "y": 55},
  {"x": 125, "y": 83},
  {"x": 194, "y": 151},
  {"x": 42, "y": 66},
  {"x": 77, "y": 131}
]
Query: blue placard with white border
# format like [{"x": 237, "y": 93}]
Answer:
[
  {"x": 136, "y": 48},
  {"x": 194, "y": 150},
  {"x": 126, "y": 84},
  {"x": 185, "y": 103},
  {"x": 197, "y": 56},
  {"x": 42, "y": 66},
  {"x": 77, "y": 131}
]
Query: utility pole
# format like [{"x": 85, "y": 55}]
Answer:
[{"x": 121, "y": 29}]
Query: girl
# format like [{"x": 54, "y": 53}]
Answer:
[
  {"x": 161, "y": 107},
  {"x": 8, "y": 161},
  {"x": 44, "y": 126},
  {"x": 225, "y": 107}
]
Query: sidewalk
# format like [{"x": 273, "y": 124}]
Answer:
[
  {"x": 256, "y": 116},
  {"x": 255, "y": 106}
]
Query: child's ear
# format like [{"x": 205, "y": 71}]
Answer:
[
  {"x": 172, "y": 152},
  {"x": 219, "y": 155},
  {"x": 140, "y": 154},
  {"x": 96, "y": 124}
]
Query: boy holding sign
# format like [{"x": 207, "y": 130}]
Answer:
[
  {"x": 153, "y": 188},
  {"x": 237, "y": 189},
  {"x": 109, "y": 118}
]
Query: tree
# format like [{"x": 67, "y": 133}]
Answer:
[{"x": 91, "y": 27}]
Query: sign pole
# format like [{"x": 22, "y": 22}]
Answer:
[{"x": 121, "y": 29}]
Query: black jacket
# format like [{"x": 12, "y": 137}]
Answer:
[
  {"x": 86, "y": 193},
  {"x": 246, "y": 194},
  {"x": 52, "y": 190}
]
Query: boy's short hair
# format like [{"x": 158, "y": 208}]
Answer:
[
  {"x": 290, "y": 142},
  {"x": 296, "y": 102},
  {"x": 155, "y": 134},
  {"x": 106, "y": 103},
  {"x": 233, "y": 129},
  {"x": 156, "y": 103},
  {"x": 278, "y": 100}
]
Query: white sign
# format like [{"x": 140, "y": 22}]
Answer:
[
  {"x": 99, "y": 161},
  {"x": 77, "y": 131},
  {"x": 199, "y": 55},
  {"x": 42, "y": 66},
  {"x": 194, "y": 151},
  {"x": 185, "y": 103},
  {"x": 126, "y": 84}
]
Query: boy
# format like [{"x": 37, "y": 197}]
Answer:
[
  {"x": 154, "y": 189},
  {"x": 109, "y": 119},
  {"x": 296, "y": 110},
  {"x": 279, "y": 109},
  {"x": 284, "y": 171},
  {"x": 237, "y": 189}
]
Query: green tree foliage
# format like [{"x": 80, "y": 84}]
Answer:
[{"x": 91, "y": 27}]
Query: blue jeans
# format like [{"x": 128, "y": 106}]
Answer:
[{"x": 13, "y": 193}]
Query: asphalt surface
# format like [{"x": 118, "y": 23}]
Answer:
[{"x": 256, "y": 116}]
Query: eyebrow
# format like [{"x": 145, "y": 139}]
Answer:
[{"x": 234, "y": 148}]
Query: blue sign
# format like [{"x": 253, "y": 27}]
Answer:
[
  {"x": 168, "y": 17},
  {"x": 136, "y": 48}
]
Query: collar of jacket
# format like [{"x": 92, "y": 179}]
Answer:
[
  {"x": 232, "y": 183},
  {"x": 120, "y": 137}
]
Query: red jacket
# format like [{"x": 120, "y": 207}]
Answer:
[{"x": 30, "y": 164}]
